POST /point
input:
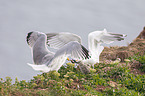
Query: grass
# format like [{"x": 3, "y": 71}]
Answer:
[{"x": 106, "y": 79}]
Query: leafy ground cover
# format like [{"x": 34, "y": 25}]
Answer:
[{"x": 106, "y": 79}]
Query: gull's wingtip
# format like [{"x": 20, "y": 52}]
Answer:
[
  {"x": 28, "y": 36},
  {"x": 86, "y": 52}
]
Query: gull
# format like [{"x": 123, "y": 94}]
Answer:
[
  {"x": 44, "y": 60},
  {"x": 95, "y": 39}
]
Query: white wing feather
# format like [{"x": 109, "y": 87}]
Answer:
[
  {"x": 106, "y": 37},
  {"x": 42, "y": 68},
  {"x": 57, "y": 40}
]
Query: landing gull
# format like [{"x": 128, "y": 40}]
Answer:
[
  {"x": 44, "y": 60},
  {"x": 95, "y": 39}
]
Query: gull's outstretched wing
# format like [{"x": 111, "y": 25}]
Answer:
[
  {"x": 73, "y": 49},
  {"x": 96, "y": 38},
  {"x": 57, "y": 40},
  {"x": 106, "y": 37}
]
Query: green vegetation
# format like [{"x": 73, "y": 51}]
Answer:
[
  {"x": 113, "y": 79},
  {"x": 141, "y": 60}
]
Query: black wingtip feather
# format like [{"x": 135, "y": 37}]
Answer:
[
  {"x": 86, "y": 52},
  {"x": 49, "y": 36},
  {"x": 120, "y": 39},
  {"x": 28, "y": 36}
]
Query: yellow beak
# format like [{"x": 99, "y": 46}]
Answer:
[{"x": 68, "y": 59}]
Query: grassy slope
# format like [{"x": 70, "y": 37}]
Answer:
[{"x": 114, "y": 78}]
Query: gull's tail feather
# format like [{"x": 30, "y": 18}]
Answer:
[{"x": 43, "y": 68}]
